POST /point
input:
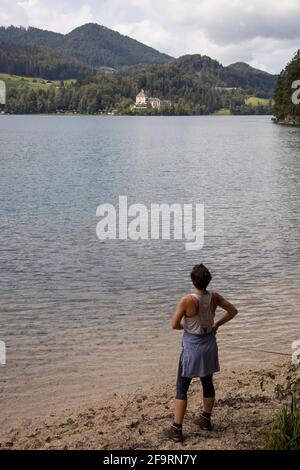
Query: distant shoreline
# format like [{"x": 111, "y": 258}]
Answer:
[{"x": 136, "y": 115}]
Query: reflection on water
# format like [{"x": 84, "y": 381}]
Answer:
[{"x": 80, "y": 317}]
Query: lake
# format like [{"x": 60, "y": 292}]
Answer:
[{"x": 83, "y": 318}]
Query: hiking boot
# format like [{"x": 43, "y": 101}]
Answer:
[
  {"x": 203, "y": 422},
  {"x": 174, "y": 433}
]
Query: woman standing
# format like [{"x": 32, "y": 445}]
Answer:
[{"x": 195, "y": 314}]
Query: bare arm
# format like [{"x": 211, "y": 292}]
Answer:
[
  {"x": 183, "y": 307},
  {"x": 178, "y": 315},
  {"x": 230, "y": 309},
  {"x": 187, "y": 306}
]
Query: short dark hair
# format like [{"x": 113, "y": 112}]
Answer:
[{"x": 200, "y": 276}]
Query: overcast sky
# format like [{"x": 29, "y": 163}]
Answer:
[{"x": 264, "y": 33}]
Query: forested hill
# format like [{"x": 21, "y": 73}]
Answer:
[
  {"x": 40, "y": 61},
  {"x": 209, "y": 72},
  {"x": 193, "y": 84},
  {"x": 245, "y": 76},
  {"x": 34, "y": 52},
  {"x": 92, "y": 44},
  {"x": 285, "y": 110},
  {"x": 110, "y": 69}
]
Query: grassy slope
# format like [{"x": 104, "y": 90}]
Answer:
[
  {"x": 250, "y": 101},
  {"x": 255, "y": 101},
  {"x": 32, "y": 82}
]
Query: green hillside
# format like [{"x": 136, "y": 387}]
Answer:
[
  {"x": 256, "y": 82},
  {"x": 40, "y": 61},
  {"x": 32, "y": 82},
  {"x": 110, "y": 69},
  {"x": 192, "y": 84},
  {"x": 91, "y": 44}
]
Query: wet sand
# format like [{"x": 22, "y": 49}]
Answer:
[{"x": 136, "y": 420}]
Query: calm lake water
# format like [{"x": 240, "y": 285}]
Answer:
[{"x": 82, "y": 318}]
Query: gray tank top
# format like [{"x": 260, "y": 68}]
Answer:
[{"x": 203, "y": 321}]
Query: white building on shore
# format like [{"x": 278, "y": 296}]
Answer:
[{"x": 142, "y": 101}]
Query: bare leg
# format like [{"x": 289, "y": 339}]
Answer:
[{"x": 180, "y": 408}]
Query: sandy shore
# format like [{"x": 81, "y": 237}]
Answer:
[{"x": 136, "y": 420}]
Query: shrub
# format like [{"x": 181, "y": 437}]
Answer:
[{"x": 284, "y": 431}]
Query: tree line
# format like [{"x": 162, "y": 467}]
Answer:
[{"x": 285, "y": 109}]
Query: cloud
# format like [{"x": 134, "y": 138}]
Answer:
[
  {"x": 149, "y": 33},
  {"x": 220, "y": 20},
  {"x": 52, "y": 14},
  {"x": 264, "y": 34}
]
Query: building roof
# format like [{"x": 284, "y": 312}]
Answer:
[{"x": 141, "y": 94}]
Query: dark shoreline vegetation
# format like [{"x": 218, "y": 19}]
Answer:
[
  {"x": 283, "y": 433},
  {"x": 285, "y": 111}
]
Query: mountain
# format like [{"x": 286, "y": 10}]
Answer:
[
  {"x": 91, "y": 44},
  {"x": 34, "y": 51},
  {"x": 111, "y": 69},
  {"x": 116, "y": 49},
  {"x": 286, "y": 109},
  {"x": 238, "y": 75},
  {"x": 247, "y": 77},
  {"x": 204, "y": 71},
  {"x": 30, "y": 36}
]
